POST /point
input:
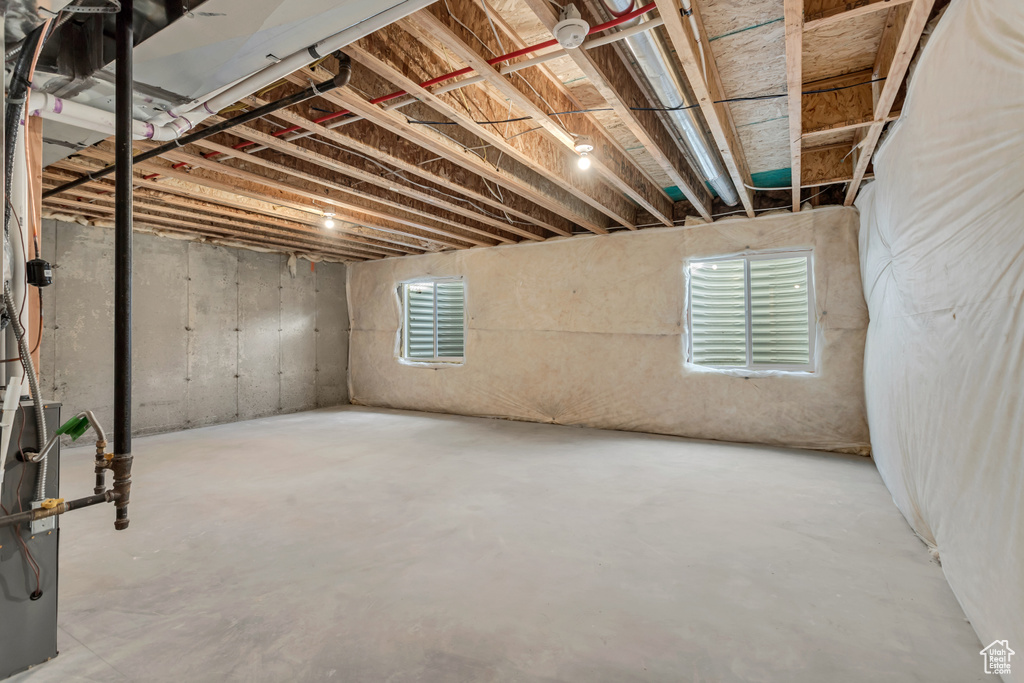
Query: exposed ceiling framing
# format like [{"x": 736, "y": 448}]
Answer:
[{"x": 428, "y": 172}]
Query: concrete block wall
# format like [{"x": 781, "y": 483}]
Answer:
[{"x": 219, "y": 334}]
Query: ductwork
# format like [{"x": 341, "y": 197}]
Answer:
[
  {"x": 187, "y": 117},
  {"x": 176, "y": 122},
  {"x": 652, "y": 56}
]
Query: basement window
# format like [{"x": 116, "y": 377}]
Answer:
[
  {"x": 434, "y": 320},
  {"x": 754, "y": 311}
]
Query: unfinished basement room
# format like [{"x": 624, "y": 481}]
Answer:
[{"x": 494, "y": 341}]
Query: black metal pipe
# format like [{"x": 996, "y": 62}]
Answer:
[
  {"x": 58, "y": 509},
  {"x": 122, "y": 463},
  {"x": 340, "y": 80}
]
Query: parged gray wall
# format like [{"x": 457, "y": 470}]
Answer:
[{"x": 219, "y": 334}]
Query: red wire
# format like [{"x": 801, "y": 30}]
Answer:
[{"x": 619, "y": 19}]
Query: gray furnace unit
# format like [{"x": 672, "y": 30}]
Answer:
[{"x": 28, "y": 607}]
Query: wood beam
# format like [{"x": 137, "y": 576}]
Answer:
[
  {"x": 707, "y": 88},
  {"x": 473, "y": 170},
  {"x": 225, "y": 203},
  {"x": 827, "y": 112},
  {"x": 34, "y": 209},
  {"x": 357, "y": 168},
  {"x": 907, "y": 22},
  {"x": 384, "y": 231},
  {"x": 826, "y": 164},
  {"x": 535, "y": 151},
  {"x": 183, "y": 184},
  {"x": 175, "y": 224},
  {"x": 326, "y": 196},
  {"x": 817, "y": 16},
  {"x": 533, "y": 94},
  {"x": 607, "y": 72},
  {"x": 99, "y": 193},
  {"x": 793, "y": 13},
  {"x": 367, "y": 201},
  {"x": 248, "y": 184}
]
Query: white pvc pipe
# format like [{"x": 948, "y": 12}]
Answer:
[
  {"x": 161, "y": 129},
  {"x": 200, "y": 110},
  {"x": 472, "y": 80},
  {"x": 58, "y": 109}
]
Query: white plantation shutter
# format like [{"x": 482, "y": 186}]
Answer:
[
  {"x": 751, "y": 312},
  {"x": 779, "y": 328},
  {"x": 434, "y": 320},
  {"x": 419, "y": 320},
  {"x": 718, "y": 313}
]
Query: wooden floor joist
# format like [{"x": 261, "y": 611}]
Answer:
[
  {"x": 339, "y": 202},
  {"x": 899, "y": 42},
  {"x": 406, "y": 169},
  {"x": 474, "y": 168},
  {"x": 183, "y": 183},
  {"x": 387, "y": 136},
  {"x": 380, "y": 203},
  {"x": 314, "y": 152},
  {"x": 533, "y": 94},
  {"x": 249, "y": 184},
  {"x": 820, "y": 14},
  {"x": 101, "y": 193},
  {"x": 793, "y": 12},
  {"x": 701, "y": 70},
  {"x": 154, "y": 220},
  {"x": 531, "y": 149},
  {"x": 610, "y": 75}
]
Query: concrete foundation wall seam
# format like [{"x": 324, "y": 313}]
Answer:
[{"x": 220, "y": 334}]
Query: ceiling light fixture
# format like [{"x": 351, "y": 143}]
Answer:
[
  {"x": 584, "y": 146},
  {"x": 328, "y": 219}
]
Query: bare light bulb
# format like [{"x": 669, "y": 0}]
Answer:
[
  {"x": 328, "y": 222},
  {"x": 584, "y": 162}
]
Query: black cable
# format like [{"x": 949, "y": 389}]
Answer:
[
  {"x": 21, "y": 80},
  {"x": 751, "y": 98}
]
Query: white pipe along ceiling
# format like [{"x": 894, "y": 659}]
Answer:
[{"x": 175, "y": 59}]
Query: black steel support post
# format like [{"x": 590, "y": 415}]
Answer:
[{"x": 122, "y": 462}]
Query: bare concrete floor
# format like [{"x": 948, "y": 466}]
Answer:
[{"x": 366, "y": 545}]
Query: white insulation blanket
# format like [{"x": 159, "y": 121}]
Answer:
[
  {"x": 942, "y": 257},
  {"x": 591, "y": 331}
]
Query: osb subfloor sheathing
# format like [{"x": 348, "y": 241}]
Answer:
[{"x": 371, "y": 545}]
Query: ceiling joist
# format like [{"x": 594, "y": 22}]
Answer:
[{"x": 408, "y": 167}]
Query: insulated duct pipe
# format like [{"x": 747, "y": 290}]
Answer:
[
  {"x": 653, "y": 57},
  {"x": 339, "y": 81}
]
